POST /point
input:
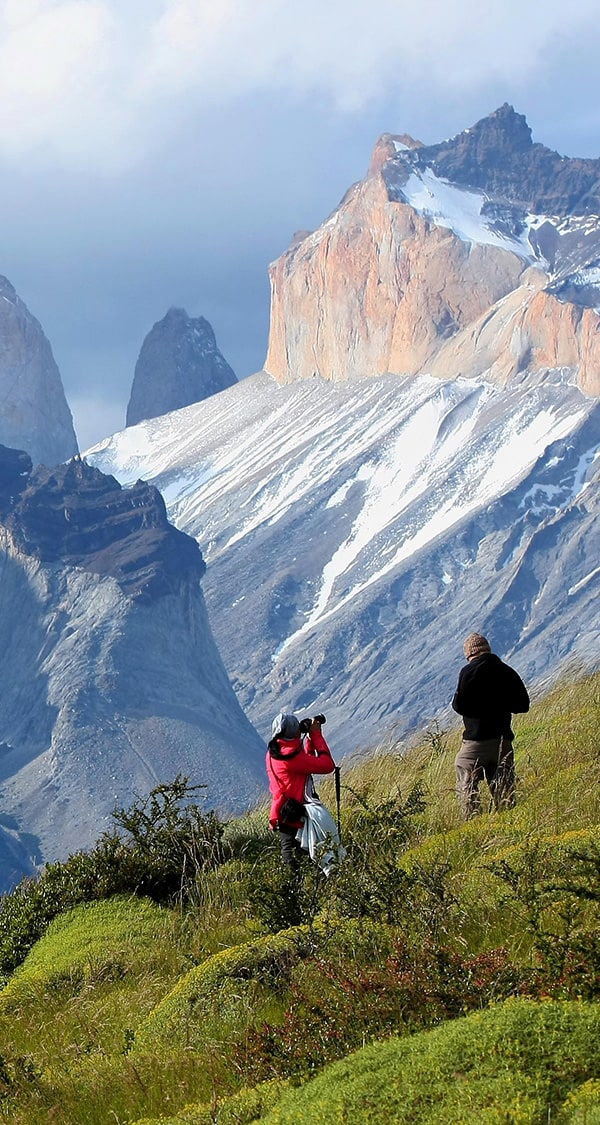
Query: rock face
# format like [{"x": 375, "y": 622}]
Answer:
[
  {"x": 111, "y": 681},
  {"x": 498, "y": 156},
  {"x": 76, "y": 515},
  {"x": 34, "y": 415},
  {"x": 479, "y": 256},
  {"x": 392, "y": 516},
  {"x": 179, "y": 363}
]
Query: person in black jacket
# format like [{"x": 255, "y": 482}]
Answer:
[{"x": 487, "y": 695}]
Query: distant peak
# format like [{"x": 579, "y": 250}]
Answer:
[
  {"x": 506, "y": 121},
  {"x": 387, "y": 145},
  {"x": 7, "y": 290},
  {"x": 497, "y": 156}
]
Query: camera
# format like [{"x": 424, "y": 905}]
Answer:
[{"x": 305, "y": 723}]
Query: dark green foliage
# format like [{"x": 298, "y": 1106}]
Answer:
[
  {"x": 172, "y": 840},
  {"x": 159, "y": 848},
  {"x": 281, "y": 897},
  {"x": 561, "y": 911},
  {"x": 346, "y": 1002},
  {"x": 373, "y": 883}
]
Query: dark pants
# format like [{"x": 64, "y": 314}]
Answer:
[
  {"x": 493, "y": 760},
  {"x": 290, "y": 848}
]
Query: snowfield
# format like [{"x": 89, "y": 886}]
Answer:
[{"x": 344, "y": 524}]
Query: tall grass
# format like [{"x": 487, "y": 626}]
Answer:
[{"x": 465, "y": 913}]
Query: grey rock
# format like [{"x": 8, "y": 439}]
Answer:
[
  {"x": 179, "y": 363},
  {"x": 34, "y": 415},
  {"x": 497, "y": 155},
  {"x": 111, "y": 680},
  {"x": 348, "y": 556},
  {"x": 78, "y": 516}
]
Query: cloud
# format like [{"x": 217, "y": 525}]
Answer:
[
  {"x": 349, "y": 50},
  {"x": 54, "y": 60},
  {"x": 98, "y": 81}
]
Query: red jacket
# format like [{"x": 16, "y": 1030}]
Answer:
[{"x": 287, "y": 775}]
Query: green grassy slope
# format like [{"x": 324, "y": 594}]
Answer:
[{"x": 448, "y": 972}]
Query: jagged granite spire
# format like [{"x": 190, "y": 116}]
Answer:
[
  {"x": 179, "y": 363},
  {"x": 34, "y": 414}
]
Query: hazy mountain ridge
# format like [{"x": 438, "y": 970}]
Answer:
[
  {"x": 111, "y": 679},
  {"x": 353, "y": 534}
]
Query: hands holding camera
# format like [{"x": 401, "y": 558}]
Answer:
[{"x": 312, "y": 724}]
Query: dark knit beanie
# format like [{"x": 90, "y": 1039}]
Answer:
[{"x": 476, "y": 645}]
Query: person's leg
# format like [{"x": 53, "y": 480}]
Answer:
[
  {"x": 503, "y": 785},
  {"x": 475, "y": 761},
  {"x": 468, "y": 777},
  {"x": 290, "y": 848}
]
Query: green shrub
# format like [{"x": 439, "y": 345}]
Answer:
[
  {"x": 250, "y": 981},
  {"x": 514, "y": 1063},
  {"x": 90, "y": 943},
  {"x": 182, "y": 1017},
  {"x": 582, "y": 1106},
  {"x": 164, "y": 843},
  {"x": 345, "y": 1002},
  {"x": 556, "y": 884}
]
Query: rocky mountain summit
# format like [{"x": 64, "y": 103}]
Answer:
[
  {"x": 34, "y": 414},
  {"x": 476, "y": 257},
  {"x": 79, "y": 516},
  {"x": 111, "y": 680},
  {"x": 179, "y": 363},
  {"x": 498, "y": 156}
]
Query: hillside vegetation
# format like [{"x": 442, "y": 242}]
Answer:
[{"x": 447, "y": 972}]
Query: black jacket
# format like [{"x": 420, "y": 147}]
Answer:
[{"x": 488, "y": 692}]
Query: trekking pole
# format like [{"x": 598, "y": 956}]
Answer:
[{"x": 337, "y": 799}]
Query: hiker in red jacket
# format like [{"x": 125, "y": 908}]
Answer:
[{"x": 292, "y": 758}]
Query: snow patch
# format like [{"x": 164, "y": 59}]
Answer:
[
  {"x": 459, "y": 209},
  {"x": 583, "y": 582}
]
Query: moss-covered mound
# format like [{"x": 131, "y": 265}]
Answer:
[
  {"x": 523, "y": 1063},
  {"x": 93, "y": 942}
]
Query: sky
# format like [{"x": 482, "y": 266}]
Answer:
[{"x": 163, "y": 152}]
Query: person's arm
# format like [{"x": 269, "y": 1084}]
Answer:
[
  {"x": 316, "y": 756},
  {"x": 458, "y": 699},
  {"x": 519, "y": 697}
]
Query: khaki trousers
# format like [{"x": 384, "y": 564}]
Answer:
[{"x": 493, "y": 760}]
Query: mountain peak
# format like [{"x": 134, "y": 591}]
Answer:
[
  {"x": 504, "y": 128},
  {"x": 77, "y": 515},
  {"x": 179, "y": 363},
  {"x": 497, "y": 156}
]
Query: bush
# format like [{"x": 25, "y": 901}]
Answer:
[
  {"x": 259, "y": 968},
  {"x": 164, "y": 843},
  {"x": 346, "y": 1001},
  {"x": 92, "y": 942},
  {"x": 556, "y": 883},
  {"x": 508, "y": 1065}
]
